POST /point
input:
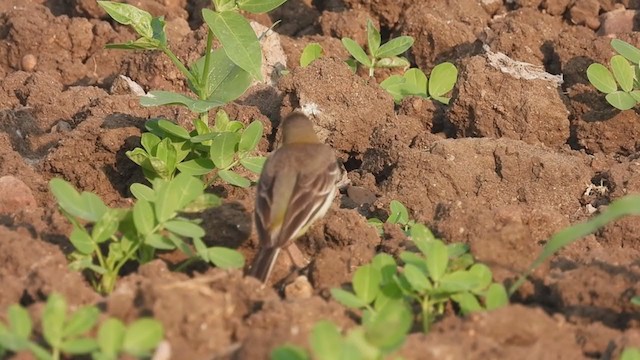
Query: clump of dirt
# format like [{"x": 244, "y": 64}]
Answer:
[{"x": 525, "y": 148}]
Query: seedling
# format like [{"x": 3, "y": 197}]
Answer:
[
  {"x": 105, "y": 239},
  {"x": 622, "y": 207},
  {"x": 211, "y": 151},
  {"x": 311, "y": 52},
  {"x": 65, "y": 333},
  {"x": 363, "y": 342},
  {"x": 379, "y": 55},
  {"x": 218, "y": 77},
  {"x": 630, "y": 353},
  {"x": 626, "y": 75},
  {"x": 415, "y": 83}
]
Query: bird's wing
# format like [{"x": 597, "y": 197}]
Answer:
[{"x": 311, "y": 197}]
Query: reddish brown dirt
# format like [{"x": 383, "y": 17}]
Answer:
[{"x": 501, "y": 168}]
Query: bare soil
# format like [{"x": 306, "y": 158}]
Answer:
[{"x": 501, "y": 168}]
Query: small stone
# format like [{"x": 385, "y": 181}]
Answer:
[
  {"x": 584, "y": 11},
  {"x": 618, "y": 21},
  {"x": 15, "y": 195},
  {"x": 28, "y": 62},
  {"x": 61, "y": 127},
  {"x": 556, "y": 7},
  {"x": 299, "y": 289},
  {"x": 361, "y": 195}
]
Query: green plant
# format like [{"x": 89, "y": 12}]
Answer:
[
  {"x": 67, "y": 333},
  {"x": 105, "y": 239},
  {"x": 626, "y": 74},
  {"x": 630, "y": 353},
  {"x": 624, "y": 206},
  {"x": 327, "y": 343},
  {"x": 415, "y": 83},
  {"x": 311, "y": 52},
  {"x": 213, "y": 151},
  {"x": 218, "y": 77},
  {"x": 380, "y": 55}
]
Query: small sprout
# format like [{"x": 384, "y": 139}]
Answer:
[
  {"x": 621, "y": 84},
  {"x": 214, "y": 151},
  {"x": 68, "y": 333},
  {"x": 415, "y": 83},
  {"x": 154, "y": 223},
  {"x": 311, "y": 52},
  {"x": 379, "y": 55}
]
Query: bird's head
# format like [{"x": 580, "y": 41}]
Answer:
[{"x": 298, "y": 129}]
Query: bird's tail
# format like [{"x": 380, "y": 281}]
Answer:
[{"x": 263, "y": 263}]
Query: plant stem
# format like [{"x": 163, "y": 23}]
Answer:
[
  {"x": 180, "y": 66},
  {"x": 373, "y": 64},
  {"x": 205, "y": 70},
  {"x": 426, "y": 316},
  {"x": 55, "y": 355}
]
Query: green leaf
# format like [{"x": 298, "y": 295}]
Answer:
[
  {"x": 225, "y": 258},
  {"x": 630, "y": 353},
  {"x": 149, "y": 141},
  {"x": 416, "y": 83},
  {"x": 457, "y": 249},
  {"x": 159, "y": 242},
  {"x": 399, "y": 213},
  {"x": 627, "y": 50},
  {"x": 458, "y": 281},
  {"x": 203, "y": 202},
  {"x": 223, "y": 149},
  {"x": 173, "y": 129},
  {"x": 182, "y": 190},
  {"x": 160, "y": 98},
  {"x": 142, "y": 192},
  {"x": 373, "y": 38},
  {"x": 53, "y": 319},
  {"x": 81, "y": 321},
  {"x": 601, "y": 78},
  {"x": 138, "y": 156},
  {"x": 259, "y": 6},
  {"x": 143, "y": 217},
  {"x": 310, "y": 53},
  {"x": 348, "y": 299},
  {"x": 81, "y": 241},
  {"x": 39, "y": 352},
  {"x": 142, "y": 336},
  {"x": 226, "y": 81},
  {"x": 289, "y": 352},
  {"x": 635, "y": 94},
  {"x": 19, "y": 322},
  {"x": 468, "y": 302},
  {"x": 234, "y": 178},
  {"x": 393, "y": 62},
  {"x": 253, "y": 163},
  {"x": 251, "y": 136},
  {"x": 422, "y": 237},
  {"x": 326, "y": 341},
  {"x": 238, "y": 39},
  {"x": 483, "y": 275},
  {"x": 621, "y": 100},
  {"x": 388, "y": 329},
  {"x": 79, "y": 346},
  {"x": 86, "y": 206},
  {"x": 385, "y": 265},
  {"x": 356, "y": 51},
  {"x": 394, "y": 86},
  {"x": 201, "y": 249},
  {"x": 437, "y": 260},
  {"x": 416, "y": 278},
  {"x": 106, "y": 226},
  {"x": 395, "y": 47},
  {"x": 366, "y": 283},
  {"x": 635, "y": 300},
  {"x": 624, "y": 206},
  {"x": 496, "y": 297},
  {"x": 623, "y": 72},
  {"x": 185, "y": 228},
  {"x": 442, "y": 80},
  {"x": 197, "y": 166},
  {"x": 126, "y": 14}
]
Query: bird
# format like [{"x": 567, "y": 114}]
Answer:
[{"x": 296, "y": 187}]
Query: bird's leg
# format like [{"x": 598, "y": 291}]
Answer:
[{"x": 297, "y": 258}]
